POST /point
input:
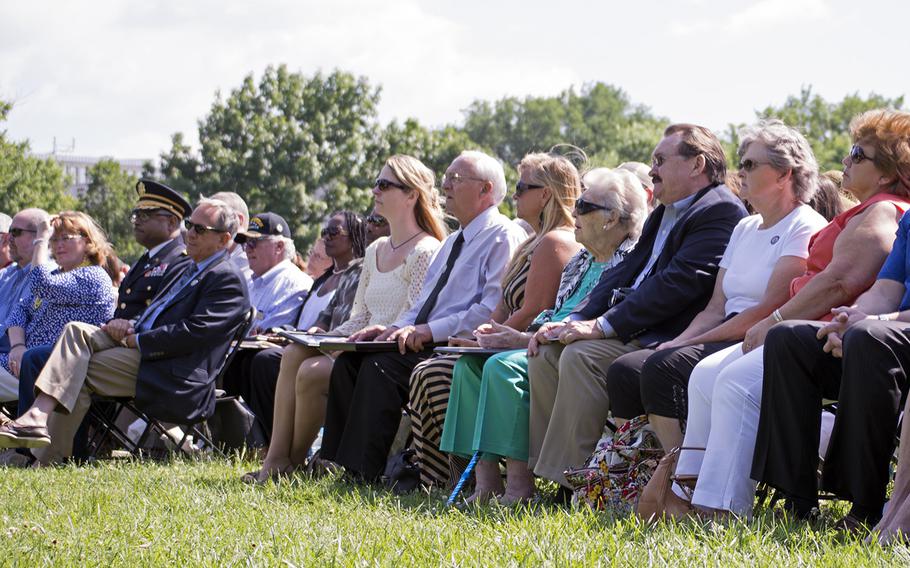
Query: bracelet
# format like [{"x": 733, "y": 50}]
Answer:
[
  {"x": 11, "y": 347},
  {"x": 882, "y": 317},
  {"x": 775, "y": 315},
  {"x": 36, "y": 241}
]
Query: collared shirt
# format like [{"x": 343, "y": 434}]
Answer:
[
  {"x": 238, "y": 258},
  {"x": 475, "y": 286},
  {"x": 147, "y": 320},
  {"x": 155, "y": 249},
  {"x": 671, "y": 214},
  {"x": 13, "y": 285},
  {"x": 278, "y": 294}
]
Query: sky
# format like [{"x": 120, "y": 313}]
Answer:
[{"x": 120, "y": 76}]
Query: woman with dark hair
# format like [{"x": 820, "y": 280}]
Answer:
[
  {"x": 78, "y": 290},
  {"x": 391, "y": 280}
]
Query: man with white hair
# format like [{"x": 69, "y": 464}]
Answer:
[
  {"x": 462, "y": 287},
  {"x": 236, "y": 254}
]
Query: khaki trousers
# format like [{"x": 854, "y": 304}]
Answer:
[
  {"x": 569, "y": 403},
  {"x": 85, "y": 360}
]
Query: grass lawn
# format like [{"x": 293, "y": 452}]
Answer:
[{"x": 198, "y": 513}]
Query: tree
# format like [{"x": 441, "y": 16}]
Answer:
[
  {"x": 290, "y": 144},
  {"x": 826, "y": 125},
  {"x": 109, "y": 199},
  {"x": 27, "y": 181}
]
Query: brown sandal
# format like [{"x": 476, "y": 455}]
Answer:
[{"x": 658, "y": 499}]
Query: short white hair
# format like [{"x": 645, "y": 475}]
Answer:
[
  {"x": 290, "y": 251},
  {"x": 235, "y": 202},
  {"x": 490, "y": 169}
]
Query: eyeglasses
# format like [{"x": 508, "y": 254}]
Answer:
[
  {"x": 65, "y": 238},
  {"x": 521, "y": 187},
  {"x": 201, "y": 229},
  {"x": 143, "y": 215},
  {"x": 377, "y": 220},
  {"x": 384, "y": 184},
  {"x": 251, "y": 244},
  {"x": 583, "y": 207},
  {"x": 748, "y": 164},
  {"x": 332, "y": 232},
  {"x": 455, "y": 177},
  {"x": 17, "y": 231},
  {"x": 857, "y": 155}
]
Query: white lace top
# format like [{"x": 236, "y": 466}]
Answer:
[{"x": 383, "y": 296}]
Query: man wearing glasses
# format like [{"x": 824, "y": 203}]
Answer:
[
  {"x": 648, "y": 298},
  {"x": 167, "y": 358}
]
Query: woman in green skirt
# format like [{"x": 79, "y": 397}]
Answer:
[{"x": 489, "y": 402}]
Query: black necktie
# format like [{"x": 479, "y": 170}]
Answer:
[{"x": 427, "y": 307}]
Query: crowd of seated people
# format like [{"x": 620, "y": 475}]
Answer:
[{"x": 728, "y": 308}]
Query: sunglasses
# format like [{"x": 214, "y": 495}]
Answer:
[
  {"x": 378, "y": 220},
  {"x": 143, "y": 215},
  {"x": 201, "y": 229},
  {"x": 455, "y": 177},
  {"x": 857, "y": 155},
  {"x": 251, "y": 244},
  {"x": 583, "y": 207},
  {"x": 332, "y": 232},
  {"x": 65, "y": 238},
  {"x": 384, "y": 184},
  {"x": 17, "y": 231},
  {"x": 748, "y": 164},
  {"x": 521, "y": 187}
]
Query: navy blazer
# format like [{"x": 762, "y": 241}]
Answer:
[
  {"x": 183, "y": 352},
  {"x": 145, "y": 278},
  {"x": 681, "y": 281}
]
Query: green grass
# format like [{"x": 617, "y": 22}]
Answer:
[{"x": 198, "y": 513}]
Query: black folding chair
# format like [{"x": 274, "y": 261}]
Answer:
[{"x": 104, "y": 416}]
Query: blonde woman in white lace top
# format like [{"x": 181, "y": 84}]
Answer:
[{"x": 391, "y": 280}]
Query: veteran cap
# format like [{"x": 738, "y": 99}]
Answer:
[
  {"x": 264, "y": 225},
  {"x": 154, "y": 195}
]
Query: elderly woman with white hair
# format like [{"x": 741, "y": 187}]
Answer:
[{"x": 490, "y": 403}]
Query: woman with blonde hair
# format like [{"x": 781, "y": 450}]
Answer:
[
  {"x": 78, "y": 289},
  {"x": 544, "y": 197},
  {"x": 390, "y": 281}
]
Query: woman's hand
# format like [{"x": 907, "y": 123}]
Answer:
[
  {"x": 15, "y": 359},
  {"x": 315, "y": 330},
  {"x": 462, "y": 342},
  {"x": 755, "y": 337},
  {"x": 369, "y": 333},
  {"x": 497, "y": 336},
  {"x": 548, "y": 333}
]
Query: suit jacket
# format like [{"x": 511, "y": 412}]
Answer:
[
  {"x": 681, "y": 281},
  {"x": 144, "y": 279},
  {"x": 189, "y": 340}
]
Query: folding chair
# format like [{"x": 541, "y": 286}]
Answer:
[{"x": 104, "y": 419}]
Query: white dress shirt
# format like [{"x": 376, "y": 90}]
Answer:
[{"x": 278, "y": 294}]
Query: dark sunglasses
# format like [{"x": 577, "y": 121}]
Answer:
[
  {"x": 748, "y": 165},
  {"x": 17, "y": 231},
  {"x": 857, "y": 155},
  {"x": 521, "y": 187},
  {"x": 583, "y": 207},
  {"x": 201, "y": 229},
  {"x": 143, "y": 215},
  {"x": 378, "y": 220},
  {"x": 384, "y": 184},
  {"x": 332, "y": 232}
]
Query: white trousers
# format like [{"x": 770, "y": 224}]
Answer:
[
  {"x": 9, "y": 386},
  {"x": 724, "y": 403}
]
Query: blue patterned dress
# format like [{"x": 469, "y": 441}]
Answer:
[{"x": 56, "y": 298}]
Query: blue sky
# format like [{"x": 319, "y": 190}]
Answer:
[{"x": 121, "y": 77}]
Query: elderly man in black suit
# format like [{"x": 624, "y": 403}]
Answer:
[
  {"x": 648, "y": 298},
  {"x": 167, "y": 358}
]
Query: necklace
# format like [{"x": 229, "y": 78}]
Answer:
[{"x": 396, "y": 247}]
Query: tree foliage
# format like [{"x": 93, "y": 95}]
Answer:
[
  {"x": 109, "y": 199},
  {"x": 825, "y": 124},
  {"x": 27, "y": 181}
]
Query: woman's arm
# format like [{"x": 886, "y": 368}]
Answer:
[{"x": 548, "y": 260}]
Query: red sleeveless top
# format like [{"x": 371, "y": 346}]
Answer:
[{"x": 821, "y": 245}]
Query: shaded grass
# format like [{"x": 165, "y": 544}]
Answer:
[{"x": 198, "y": 513}]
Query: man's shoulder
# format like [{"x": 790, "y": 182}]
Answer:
[{"x": 718, "y": 202}]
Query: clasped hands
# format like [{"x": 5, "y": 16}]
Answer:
[
  {"x": 121, "y": 331},
  {"x": 564, "y": 332},
  {"x": 833, "y": 331}
]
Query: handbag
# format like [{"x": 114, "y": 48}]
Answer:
[{"x": 623, "y": 462}]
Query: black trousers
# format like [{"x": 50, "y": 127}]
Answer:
[
  {"x": 262, "y": 385},
  {"x": 655, "y": 382},
  {"x": 869, "y": 383},
  {"x": 236, "y": 378},
  {"x": 366, "y": 395}
]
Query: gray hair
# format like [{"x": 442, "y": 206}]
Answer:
[
  {"x": 641, "y": 171},
  {"x": 227, "y": 215},
  {"x": 34, "y": 215},
  {"x": 5, "y": 222},
  {"x": 624, "y": 194},
  {"x": 488, "y": 168},
  {"x": 787, "y": 150},
  {"x": 235, "y": 202},
  {"x": 290, "y": 251}
]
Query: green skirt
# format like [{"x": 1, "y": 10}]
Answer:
[{"x": 489, "y": 407}]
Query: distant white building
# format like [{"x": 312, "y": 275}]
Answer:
[{"x": 76, "y": 168}]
